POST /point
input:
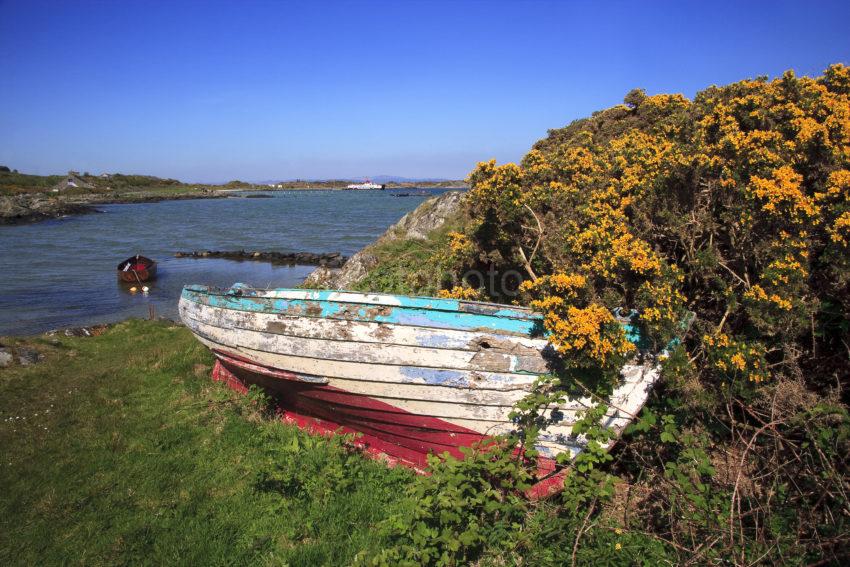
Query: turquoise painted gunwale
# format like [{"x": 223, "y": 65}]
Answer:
[
  {"x": 399, "y": 315},
  {"x": 414, "y": 310},
  {"x": 420, "y": 302}
]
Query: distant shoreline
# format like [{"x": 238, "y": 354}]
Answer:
[
  {"x": 26, "y": 198},
  {"x": 336, "y": 188},
  {"x": 27, "y": 208},
  {"x": 31, "y": 208}
]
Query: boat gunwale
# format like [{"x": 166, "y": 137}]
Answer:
[
  {"x": 237, "y": 305},
  {"x": 524, "y": 341},
  {"x": 500, "y": 310}
]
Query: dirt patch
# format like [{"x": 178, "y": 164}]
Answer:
[{"x": 201, "y": 370}]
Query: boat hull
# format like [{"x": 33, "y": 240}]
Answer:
[
  {"x": 136, "y": 276},
  {"x": 380, "y": 430},
  {"x": 413, "y": 376}
]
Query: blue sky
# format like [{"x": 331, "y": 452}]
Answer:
[{"x": 211, "y": 91}]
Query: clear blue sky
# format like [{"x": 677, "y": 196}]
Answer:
[{"x": 211, "y": 91}]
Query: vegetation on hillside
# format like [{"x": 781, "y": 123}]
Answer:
[
  {"x": 405, "y": 264},
  {"x": 734, "y": 206},
  {"x": 13, "y": 182}
]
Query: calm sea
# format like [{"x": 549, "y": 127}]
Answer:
[{"x": 61, "y": 273}]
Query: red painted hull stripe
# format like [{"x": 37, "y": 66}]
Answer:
[{"x": 386, "y": 432}]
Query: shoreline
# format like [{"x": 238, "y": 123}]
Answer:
[{"x": 28, "y": 208}]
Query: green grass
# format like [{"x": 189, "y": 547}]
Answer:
[
  {"x": 119, "y": 449},
  {"x": 409, "y": 265},
  {"x": 133, "y": 193},
  {"x": 403, "y": 268}
]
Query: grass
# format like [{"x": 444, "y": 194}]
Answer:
[
  {"x": 119, "y": 449},
  {"x": 409, "y": 265},
  {"x": 133, "y": 193},
  {"x": 401, "y": 268}
]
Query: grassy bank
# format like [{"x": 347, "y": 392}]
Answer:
[
  {"x": 15, "y": 183},
  {"x": 119, "y": 448}
]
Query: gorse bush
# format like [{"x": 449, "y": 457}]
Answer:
[{"x": 734, "y": 206}]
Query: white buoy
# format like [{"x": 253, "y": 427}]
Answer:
[{"x": 145, "y": 289}]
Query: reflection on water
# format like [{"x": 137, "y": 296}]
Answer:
[{"x": 62, "y": 273}]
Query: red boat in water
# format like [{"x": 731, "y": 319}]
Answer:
[{"x": 137, "y": 269}]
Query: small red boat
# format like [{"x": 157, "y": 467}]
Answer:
[{"x": 137, "y": 269}]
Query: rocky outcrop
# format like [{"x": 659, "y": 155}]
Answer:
[
  {"x": 330, "y": 260},
  {"x": 428, "y": 216},
  {"x": 18, "y": 209},
  {"x": 25, "y": 208},
  {"x": 416, "y": 224},
  {"x": 354, "y": 270}
]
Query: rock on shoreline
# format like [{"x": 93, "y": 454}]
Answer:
[
  {"x": 21, "y": 209},
  {"x": 328, "y": 260},
  {"x": 34, "y": 207}
]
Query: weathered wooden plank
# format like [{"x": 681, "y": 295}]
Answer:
[
  {"x": 400, "y": 315},
  {"x": 380, "y": 373},
  {"x": 388, "y": 418},
  {"x": 484, "y": 360},
  {"x": 427, "y": 402},
  {"x": 361, "y": 332},
  {"x": 433, "y": 401},
  {"x": 421, "y": 392},
  {"x": 390, "y": 414}
]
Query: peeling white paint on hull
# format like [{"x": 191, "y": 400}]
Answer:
[{"x": 424, "y": 387}]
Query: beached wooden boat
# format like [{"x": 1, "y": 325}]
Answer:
[
  {"x": 137, "y": 269},
  {"x": 414, "y": 375}
]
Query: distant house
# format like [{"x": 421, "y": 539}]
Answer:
[{"x": 71, "y": 181}]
